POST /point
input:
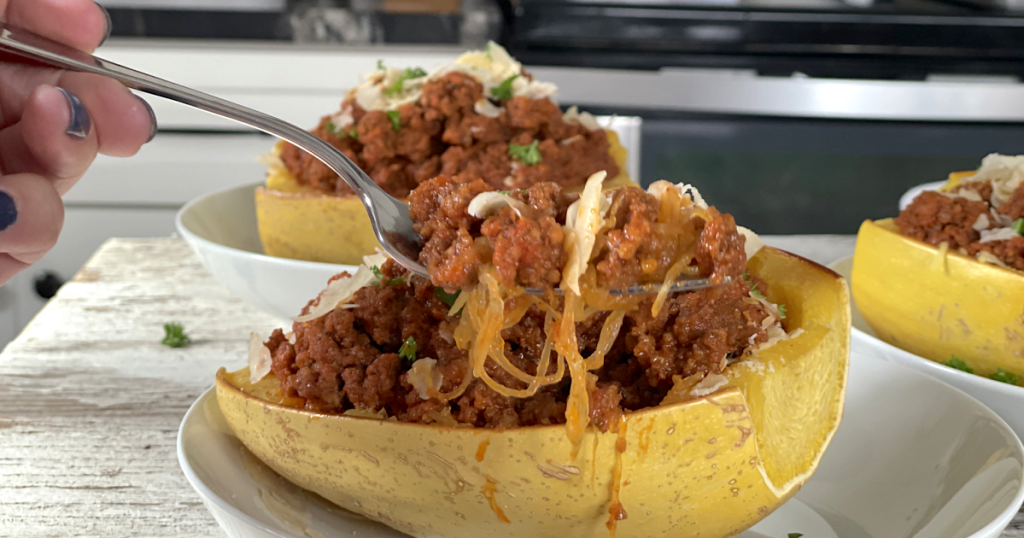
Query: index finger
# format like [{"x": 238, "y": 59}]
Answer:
[{"x": 82, "y": 24}]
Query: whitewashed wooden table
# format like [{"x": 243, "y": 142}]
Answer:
[{"x": 90, "y": 401}]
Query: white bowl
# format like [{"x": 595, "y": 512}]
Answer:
[
  {"x": 913, "y": 458},
  {"x": 912, "y": 193},
  {"x": 1006, "y": 400},
  {"x": 221, "y": 227}
]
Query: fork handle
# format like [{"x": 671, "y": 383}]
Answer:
[{"x": 27, "y": 44}]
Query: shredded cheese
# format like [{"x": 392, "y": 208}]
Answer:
[
  {"x": 573, "y": 115},
  {"x": 1005, "y": 172},
  {"x": 486, "y": 108},
  {"x": 391, "y": 88},
  {"x": 709, "y": 384},
  {"x": 425, "y": 378},
  {"x": 488, "y": 203},
  {"x": 967, "y": 194},
  {"x": 343, "y": 289},
  {"x": 987, "y": 257},
  {"x": 582, "y": 223},
  {"x": 260, "y": 360},
  {"x": 998, "y": 234}
]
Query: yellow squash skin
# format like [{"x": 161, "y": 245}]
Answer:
[
  {"x": 300, "y": 223},
  {"x": 708, "y": 467},
  {"x": 937, "y": 306}
]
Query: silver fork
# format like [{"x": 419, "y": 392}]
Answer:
[{"x": 388, "y": 215}]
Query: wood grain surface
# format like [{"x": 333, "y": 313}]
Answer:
[{"x": 90, "y": 401}]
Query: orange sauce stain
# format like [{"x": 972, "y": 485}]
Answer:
[
  {"x": 482, "y": 449},
  {"x": 488, "y": 490},
  {"x": 616, "y": 512},
  {"x": 644, "y": 439}
]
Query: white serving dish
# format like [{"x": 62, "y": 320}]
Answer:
[
  {"x": 1006, "y": 400},
  {"x": 913, "y": 458},
  {"x": 221, "y": 228}
]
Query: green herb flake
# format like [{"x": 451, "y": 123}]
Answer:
[
  {"x": 445, "y": 297},
  {"x": 395, "y": 117},
  {"x": 488, "y": 52},
  {"x": 503, "y": 91},
  {"x": 380, "y": 65},
  {"x": 1003, "y": 376},
  {"x": 753, "y": 288},
  {"x": 379, "y": 281},
  {"x": 794, "y": 535},
  {"x": 398, "y": 86},
  {"x": 331, "y": 128},
  {"x": 504, "y": 192},
  {"x": 527, "y": 154},
  {"x": 174, "y": 335},
  {"x": 1018, "y": 226},
  {"x": 408, "y": 349},
  {"x": 782, "y": 311},
  {"x": 353, "y": 134},
  {"x": 959, "y": 364}
]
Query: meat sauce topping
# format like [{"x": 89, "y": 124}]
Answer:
[
  {"x": 403, "y": 131},
  {"x": 362, "y": 356},
  {"x": 982, "y": 217}
]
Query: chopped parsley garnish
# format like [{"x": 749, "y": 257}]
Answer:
[
  {"x": 794, "y": 535},
  {"x": 399, "y": 85},
  {"x": 380, "y": 65},
  {"x": 504, "y": 192},
  {"x": 959, "y": 364},
  {"x": 353, "y": 134},
  {"x": 527, "y": 154},
  {"x": 174, "y": 335},
  {"x": 408, "y": 349},
  {"x": 1003, "y": 376},
  {"x": 445, "y": 297},
  {"x": 1018, "y": 226},
  {"x": 782, "y": 311},
  {"x": 753, "y": 288},
  {"x": 380, "y": 278},
  {"x": 396, "y": 122},
  {"x": 503, "y": 91},
  {"x": 488, "y": 52},
  {"x": 331, "y": 128}
]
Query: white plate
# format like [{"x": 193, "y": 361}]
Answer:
[
  {"x": 913, "y": 458},
  {"x": 221, "y": 227},
  {"x": 1006, "y": 400},
  {"x": 912, "y": 193}
]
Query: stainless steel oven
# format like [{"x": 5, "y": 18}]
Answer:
[{"x": 799, "y": 116}]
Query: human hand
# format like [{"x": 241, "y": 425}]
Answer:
[{"x": 53, "y": 124}]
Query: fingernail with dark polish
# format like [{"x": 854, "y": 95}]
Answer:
[
  {"x": 110, "y": 24},
  {"x": 81, "y": 122},
  {"x": 152, "y": 119},
  {"x": 8, "y": 211}
]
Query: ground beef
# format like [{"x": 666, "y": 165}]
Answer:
[
  {"x": 351, "y": 358},
  {"x": 442, "y": 134},
  {"x": 640, "y": 251},
  {"x": 936, "y": 218},
  {"x": 525, "y": 246}
]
